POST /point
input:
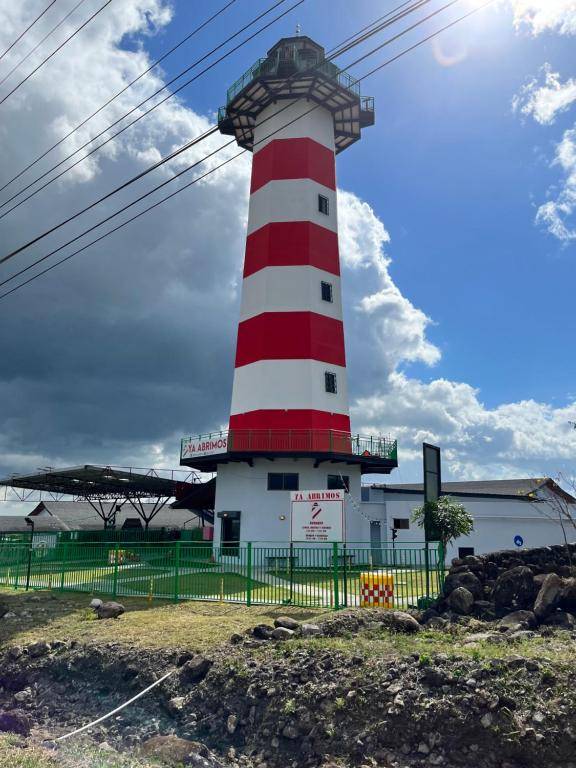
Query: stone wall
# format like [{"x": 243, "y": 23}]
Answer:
[{"x": 540, "y": 583}]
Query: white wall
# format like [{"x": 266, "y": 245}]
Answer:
[
  {"x": 496, "y": 521},
  {"x": 244, "y": 488}
]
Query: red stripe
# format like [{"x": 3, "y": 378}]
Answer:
[
  {"x": 293, "y": 159},
  {"x": 292, "y": 244},
  {"x": 290, "y": 336},
  {"x": 291, "y": 420}
]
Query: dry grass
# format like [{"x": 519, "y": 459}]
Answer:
[
  {"x": 193, "y": 625},
  {"x": 17, "y": 753}
]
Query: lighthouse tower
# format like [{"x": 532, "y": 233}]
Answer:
[{"x": 289, "y": 426}]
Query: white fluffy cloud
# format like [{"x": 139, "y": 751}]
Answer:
[
  {"x": 545, "y": 16},
  {"x": 114, "y": 356},
  {"x": 557, "y": 215},
  {"x": 544, "y": 98}
]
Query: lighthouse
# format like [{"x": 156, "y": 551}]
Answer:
[{"x": 289, "y": 427}]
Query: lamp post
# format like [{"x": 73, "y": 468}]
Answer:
[{"x": 30, "y": 546}]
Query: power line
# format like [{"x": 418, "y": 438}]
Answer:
[
  {"x": 194, "y": 181},
  {"x": 21, "y": 35},
  {"x": 339, "y": 51},
  {"x": 39, "y": 43},
  {"x": 55, "y": 51},
  {"x": 148, "y": 111},
  {"x": 113, "y": 98}
]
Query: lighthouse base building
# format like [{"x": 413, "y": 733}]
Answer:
[{"x": 289, "y": 428}]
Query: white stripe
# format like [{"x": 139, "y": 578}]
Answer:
[
  {"x": 291, "y": 200},
  {"x": 288, "y": 384},
  {"x": 317, "y": 125},
  {"x": 290, "y": 289}
]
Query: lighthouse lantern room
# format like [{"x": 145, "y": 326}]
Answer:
[{"x": 289, "y": 426}]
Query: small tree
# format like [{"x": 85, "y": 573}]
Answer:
[{"x": 445, "y": 519}]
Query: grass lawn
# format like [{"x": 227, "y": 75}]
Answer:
[{"x": 193, "y": 625}]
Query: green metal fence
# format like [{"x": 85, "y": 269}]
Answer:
[{"x": 330, "y": 576}]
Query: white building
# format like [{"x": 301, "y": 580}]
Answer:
[{"x": 507, "y": 513}]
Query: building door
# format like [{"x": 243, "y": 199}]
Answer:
[
  {"x": 230, "y": 535},
  {"x": 376, "y": 542}
]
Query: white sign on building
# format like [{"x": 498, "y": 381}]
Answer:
[
  {"x": 317, "y": 516},
  {"x": 204, "y": 446}
]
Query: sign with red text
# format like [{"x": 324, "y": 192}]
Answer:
[
  {"x": 206, "y": 445},
  {"x": 317, "y": 516}
]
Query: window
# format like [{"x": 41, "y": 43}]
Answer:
[
  {"x": 326, "y": 291},
  {"x": 323, "y": 205},
  {"x": 401, "y": 523},
  {"x": 330, "y": 382},
  {"x": 465, "y": 552},
  {"x": 282, "y": 481},
  {"x": 339, "y": 482}
]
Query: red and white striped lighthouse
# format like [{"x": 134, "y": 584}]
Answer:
[
  {"x": 289, "y": 425},
  {"x": 290, "y": 369}
]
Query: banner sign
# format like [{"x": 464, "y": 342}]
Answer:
[
  {"x": 204, "y": 446},
  {"x": 317, "y": 516}
]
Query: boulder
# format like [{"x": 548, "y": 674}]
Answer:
[
  {"x": 262, "y": 631},
  {"x": 309, "y": 630},
  {"x": 403, "y": 622},
  {"x": 567, "y": 599},
  {"x": 36, "y": 650},
  {"x": 15, "y": 721},
  {"x": 461, "y": 600},
  {"x": 465, "y": 579},
  {"x": 519, "y": 620},
  {"x": 282, "y": 633},
  {"x": 108, "y": 610},
  {"x": 514, "y": 590},
  {"x": 195, "y": 670},
  {"x": 3, "y": 610},
  {"x": 548, "y": 596},
  {"x": 483, "y": 609},
  {"x": 436, "y": 622},
  {"x": 561, "y": 619},
  {"x": 172, "y": 750},
  {"x": 287, "y": 622}
]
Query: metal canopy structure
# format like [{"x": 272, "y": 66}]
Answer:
[{"x": 97, "y": 484}]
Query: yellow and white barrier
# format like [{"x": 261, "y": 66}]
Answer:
[{"x": 376, "y": 590}]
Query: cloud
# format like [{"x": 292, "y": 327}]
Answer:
[
  {"x": 556, "y": 215},
  {"x": 545, "y": 102},
  {"x": 545, "y": 16}
]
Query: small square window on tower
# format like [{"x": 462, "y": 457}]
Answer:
[
  {"x": 326, "y": 291},
  {"x": 330, "y": 382},
  {"x": 323, "y": 205}
]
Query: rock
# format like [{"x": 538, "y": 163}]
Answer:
[
  {"x": 173, "y": 750},
  {"x": 514, "y": 589},
  {"x": 263, "y": 631},
  {"x": 282, "y": 633},
  {"x": 461, "y": 600},
  {"x": 36, "y": 650},
  {"x": 436, "y": 622},
  {"x": 465, "y": 579},
  {"x": 290, "y": 732},
  {"x": 429, "y": 613},
  {"x": 108, "y": 610},
  {"x": 567, "y": 600},
  {"x": 423, "y": 748},
  {"x": 548, "y": 596},
  {"x": 232, "y": 724},
  {"x": 308, "y": 630},
  {"x": 15, "y": 721},
  {"x": 562, "y": 620},
  {"x": 484, "y": 609},
  {"x": 519, "y": 620},
  {"x": 399, "y": 621},
  {"x": 236, "y": 639},
  {"x": 15, "y": 652},
  {"x": 287, "y": 622},
  {"x": 486, "y": 720},
  {"x": 9, "y": 615},
  {"x": 3, "y": 610},
  {"x": 23, "y": 695},
  {"x": 436, "y": 678},
  {"x": 195, "y": 670},
  {"x": 175, "y": 705}
]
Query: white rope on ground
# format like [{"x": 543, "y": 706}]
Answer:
[{"x": 118, "y": 709}]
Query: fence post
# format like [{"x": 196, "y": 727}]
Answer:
[
  {"x": 176, "y": 571},
  {"x": 64, "y": 562},
  {"x": 345, "y": 573},
  {"x": 249, "y": 573},
  {"x": 335, "y": 574},
  {"x": 115, "y": 578}
]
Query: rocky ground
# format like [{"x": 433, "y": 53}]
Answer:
[{"x": 486, "y": 677}]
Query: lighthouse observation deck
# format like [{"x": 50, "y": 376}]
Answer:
[
  {"x": 206, "y": 451},
  {"x": 296, "y": 68}
]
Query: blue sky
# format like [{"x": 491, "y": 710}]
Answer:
[{"x": 457, "y": 236}]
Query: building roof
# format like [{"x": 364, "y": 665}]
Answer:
[
  {"x": 513, "y": 488},
  {"x": 81, "y": 516}
]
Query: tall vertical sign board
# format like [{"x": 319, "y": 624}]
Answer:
[{"x": 432, "y": 483}]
